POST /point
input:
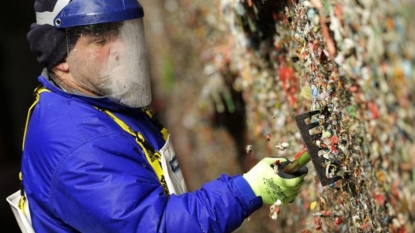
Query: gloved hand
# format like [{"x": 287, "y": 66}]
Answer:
[{"x": 272, "y": 187}]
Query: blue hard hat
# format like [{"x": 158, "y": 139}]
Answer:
[{"x": 70, "y": 13}]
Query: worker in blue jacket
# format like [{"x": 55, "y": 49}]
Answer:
[{"x": 95, "y": 159}]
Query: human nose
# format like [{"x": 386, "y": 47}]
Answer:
[{"x": 117, "y": 48}]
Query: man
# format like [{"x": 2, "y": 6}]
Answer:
[{"x": 94, "y": 159}]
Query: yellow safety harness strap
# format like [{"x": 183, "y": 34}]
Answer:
[
  {"x": 37, "y": 92},
  {"x": 150, "y": 114},
  {"x": 22, "y": 199},
  {"x": 153, "y": 157}
]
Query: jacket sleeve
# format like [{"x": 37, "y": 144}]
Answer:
[{"x": 103, "y": 186}]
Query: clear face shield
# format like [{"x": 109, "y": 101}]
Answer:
[{"x": 110, "y": 60}]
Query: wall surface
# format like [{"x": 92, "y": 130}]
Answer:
[{"x": 257, "y": 64}]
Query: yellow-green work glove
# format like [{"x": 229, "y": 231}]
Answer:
[{"x": 273, "y": 186}]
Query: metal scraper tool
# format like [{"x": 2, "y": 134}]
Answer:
[{"x": 311, "y": 150}]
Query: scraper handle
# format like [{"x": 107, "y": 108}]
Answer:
[{"x": 301, "y": 159}]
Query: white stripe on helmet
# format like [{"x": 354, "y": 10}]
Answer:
[{"x": 48, "y": 17}]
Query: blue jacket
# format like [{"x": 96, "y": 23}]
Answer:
[{"x": 83, "y": 173}]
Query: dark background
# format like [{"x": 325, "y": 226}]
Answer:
[{"x": 18, "y": 78}]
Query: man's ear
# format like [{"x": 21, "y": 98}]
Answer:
[{"x": 62, "y": 67}]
